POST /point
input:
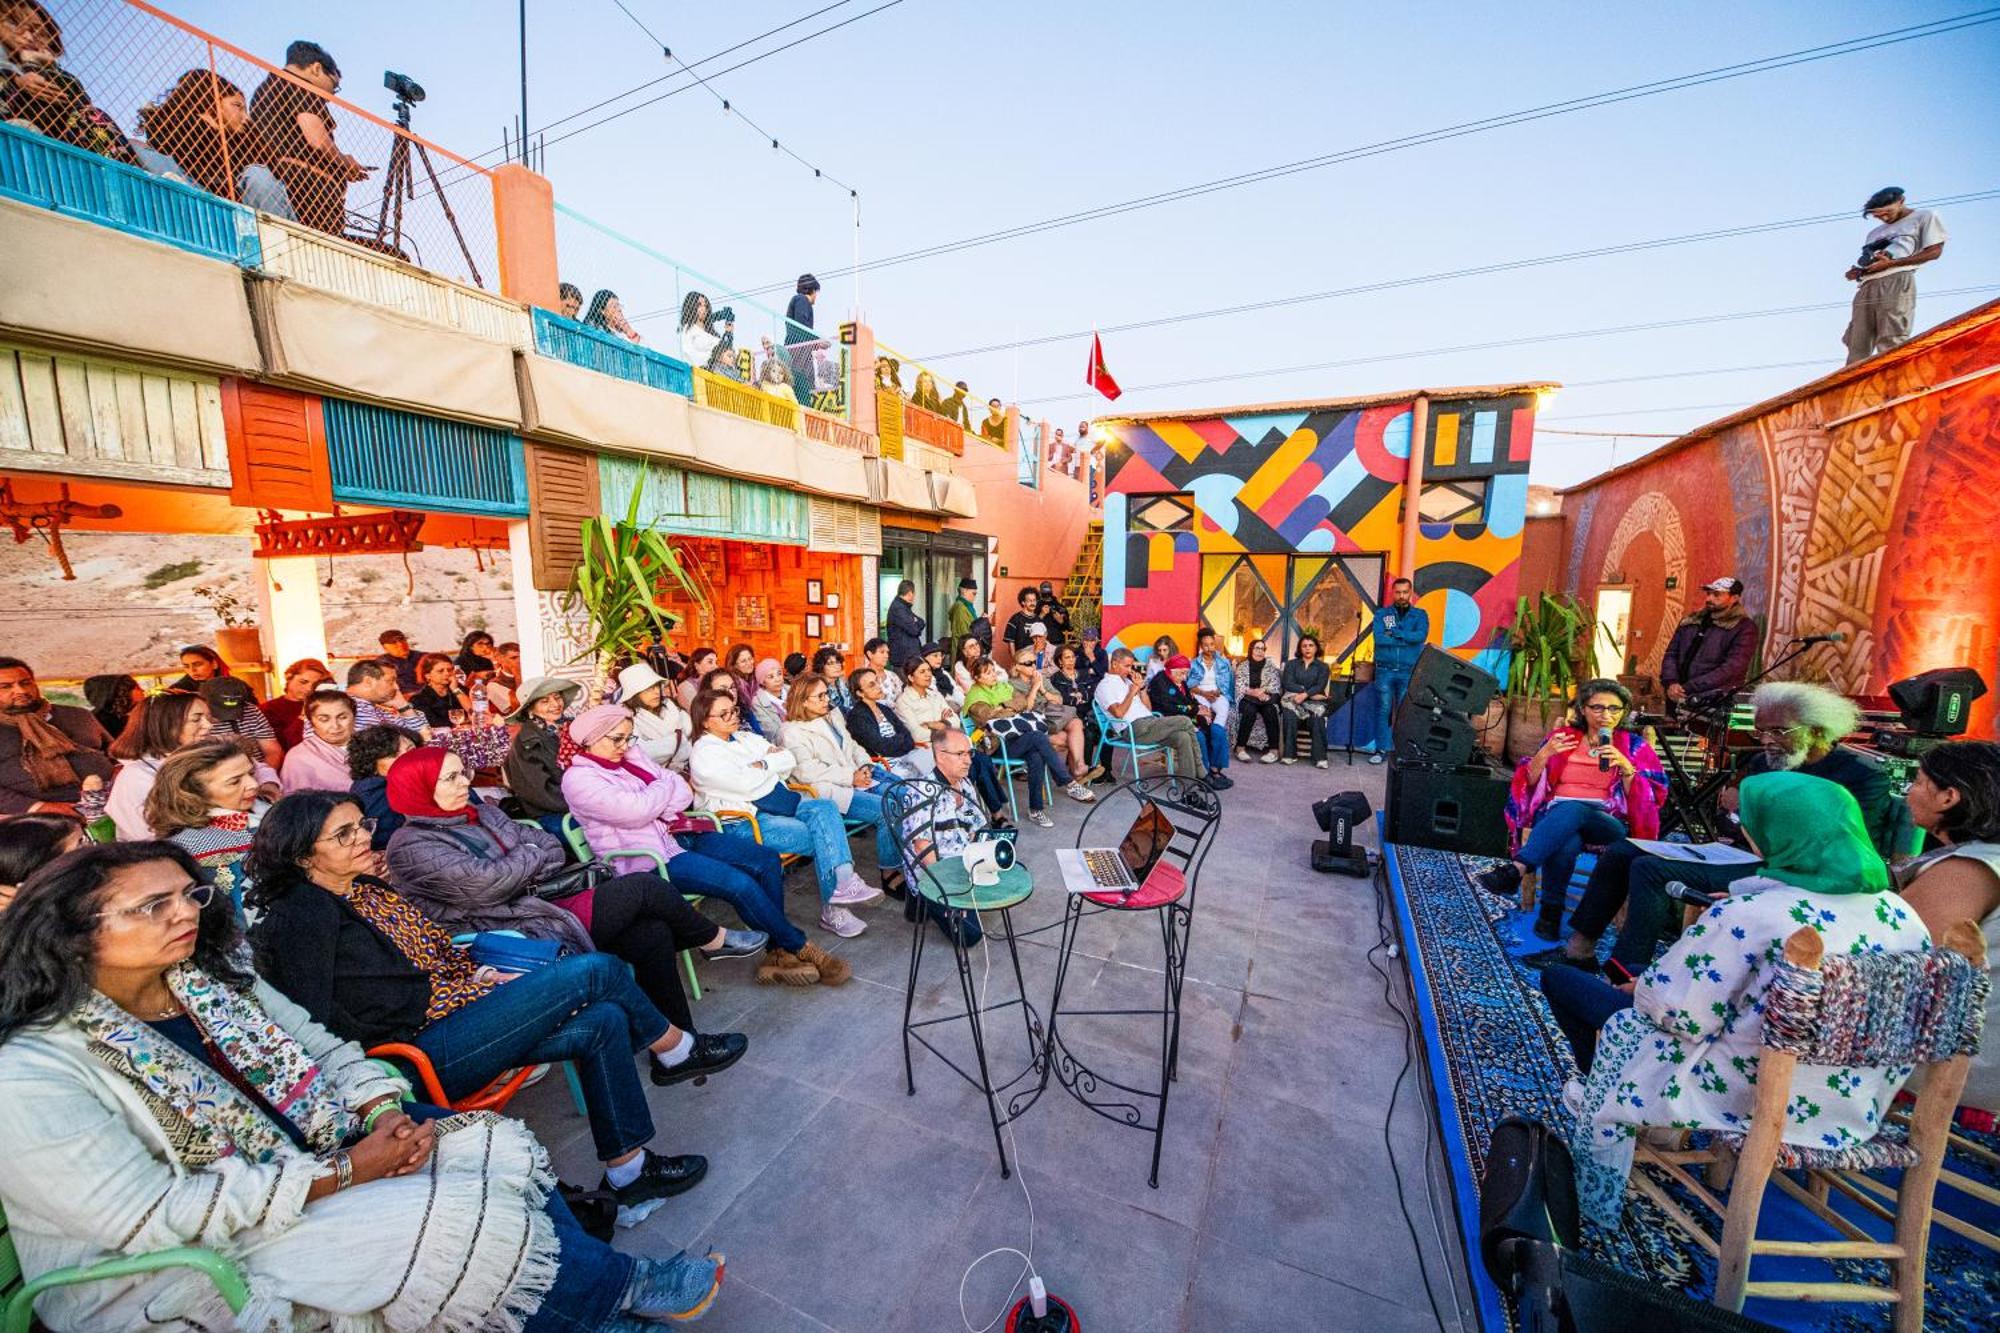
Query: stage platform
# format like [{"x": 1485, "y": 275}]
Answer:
[{"x": 1494, "y": 1050}]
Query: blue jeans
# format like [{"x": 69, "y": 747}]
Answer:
[
  {"x": 585, "y": 1009},
  {"x": 815, "y": 831},
  {"x": 1214, "y": 745},
  {"x": 749, "y": 878},
  {"x": 1557, "y": 839},
  {"x": 1390, "y": 687},
  {"x": 1582, "y": 1004},
  {"x": 1035, "y": 750},
  {"x": 866, "y": 807}
]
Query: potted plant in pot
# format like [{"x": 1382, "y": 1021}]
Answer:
[
  {"x": 1550, "y": 640},
  {"x": 617, "y": 587},
  {"x": 237, "y": 638}
]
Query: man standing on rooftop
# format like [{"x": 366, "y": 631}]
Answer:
[
  {"x": 799, "y": 329},
  {"x": 1887, "y": 297},
  {"x": 296, "y": 131}
]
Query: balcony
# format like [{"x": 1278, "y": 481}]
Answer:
[
  {"x": 939, "y": 432},
  {"x": 332, "y": 264},
  {"x": 726, "y": 395},
  {"x": 609, "y": 354},
  {"x": 832, "y": 430}
]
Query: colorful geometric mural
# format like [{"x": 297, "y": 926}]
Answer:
[{"x": 1309, "y": 484}]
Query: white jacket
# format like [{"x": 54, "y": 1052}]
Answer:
[
  {"x": 735, "y": 774},
  {"x": 827, "y": 758},
  {"x": 126, "y": 805},
  {"x": 919, "y": 711},
  {"x": 665, "y": 736}
]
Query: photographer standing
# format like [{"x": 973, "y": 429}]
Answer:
[{"x": 1887, "y": 296}]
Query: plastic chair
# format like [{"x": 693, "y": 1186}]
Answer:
[
  {"x": 581, "y": 849},
  {"x": 17, "y": 1298},
  {"x": 1109, "y": 732}
]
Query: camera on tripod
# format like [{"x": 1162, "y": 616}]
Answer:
[{"x": 406, "y": 88}]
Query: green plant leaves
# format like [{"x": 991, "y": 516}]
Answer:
[
  {"x": 619, "y": 578},
  {"x": 1551, "y": 637}
]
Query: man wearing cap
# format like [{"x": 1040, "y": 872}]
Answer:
[
  {"x": 954, "y": 406},
  {"x": 963, "y": 614},
  {"x": 799, "y": 329},
  {"x": 1708, "y": 659},
  {"x": 1054, "y": 614},
  {"x": 1887, "y": 296},
  {"x": 237, "y": 717}
]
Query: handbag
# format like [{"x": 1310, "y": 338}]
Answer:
[{"x": 508, "y": 952}]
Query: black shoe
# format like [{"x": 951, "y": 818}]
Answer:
[
  {"x": 1557, "y": 957},
  {"x": 713, "y": 1053},
  {"x": 659, "y": 1180},
  {"x": 1503, "y": 879},
  {"x": 1546, "y": 929},
  {"x": 1221, "y": 781}
]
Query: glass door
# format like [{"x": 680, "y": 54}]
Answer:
[{"x": 1331, "y": 597}]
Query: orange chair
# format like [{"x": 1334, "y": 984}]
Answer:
[{"x": 493, "y": 1097}]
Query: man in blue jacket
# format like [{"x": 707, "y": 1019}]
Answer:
[{"x": 1400, "y": 629}]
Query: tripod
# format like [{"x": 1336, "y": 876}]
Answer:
[{"x": 399, "y": 184}]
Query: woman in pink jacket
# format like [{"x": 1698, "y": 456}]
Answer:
[{"x": 626, "y": 805}]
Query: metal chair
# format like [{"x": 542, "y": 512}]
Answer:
[
  {"x": 17, "y": 1297},
  {"x": 1937, "y": 1003},
  {"x": 1109, "y": 729},
  {"x": 1195, "y": 812},
  {"x": 1007, "y": 766},
  {"x": 580, "y": 848},
  {"x": 921, "y": 811}
]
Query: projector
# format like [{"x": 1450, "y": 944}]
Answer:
[{"x": 985, "y": 859}]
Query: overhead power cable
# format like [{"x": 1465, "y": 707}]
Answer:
[
  {"x": 1570, "y": 336},
  {"x": 1448, "y": 275},
  {"x": 1632, "y": 92},
  {"x": 1651, "y": 411}
]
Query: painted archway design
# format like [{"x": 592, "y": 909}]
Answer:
[{"x": 1652, "y": 512}]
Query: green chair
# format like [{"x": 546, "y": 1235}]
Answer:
[
  {"x": 581, "y": 849},
  {"x": 17, "y": 1297}
]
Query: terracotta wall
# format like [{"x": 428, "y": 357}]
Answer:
[
  {"x": 778, "y": 576},
  {"x": 1544, "y": 548},
  {"x": 1039, "y": 531}
]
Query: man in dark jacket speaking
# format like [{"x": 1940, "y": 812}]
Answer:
[{"x": 1708, "y": 659}]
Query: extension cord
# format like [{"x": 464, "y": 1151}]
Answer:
[{"x": 1008, "y": 1312}]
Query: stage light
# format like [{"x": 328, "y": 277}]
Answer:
[
  {"x": 1936, "y": 703},
  {"x": 1337, "y": 817}
]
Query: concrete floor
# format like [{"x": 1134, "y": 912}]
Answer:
[{"x": 845, "y": 1204}]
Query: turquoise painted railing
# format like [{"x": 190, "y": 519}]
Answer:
[
  {"x": 609, "y": 354},
  {"x": 41, "y": 171},
  {"x": 699, "y": 504},
  {"x": 382, "y": 456}
]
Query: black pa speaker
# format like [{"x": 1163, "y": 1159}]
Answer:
[
  {"x": 1440, "y": 680},
  {"x": 1427, "y": 736},
  {"x": 1936, "y": 702},
  {"x": 1452, "y": 809}
]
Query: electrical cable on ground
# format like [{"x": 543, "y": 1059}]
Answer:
[{"x": 1020, "y": 1171}]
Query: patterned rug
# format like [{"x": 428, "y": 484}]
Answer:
[{"x": 1495, "y": 1051}]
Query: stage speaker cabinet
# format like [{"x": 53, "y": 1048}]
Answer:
[
  {"x": 1462, "y": 809},
  {"x": 1440, "y": 680},
  {"x": 1428, "y": 736}
]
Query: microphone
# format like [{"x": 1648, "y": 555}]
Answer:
[
  {"x": 1688, "y": 893},
  {"x": 1811, "y": 639},
  {"x": 1603, "y": 739}
]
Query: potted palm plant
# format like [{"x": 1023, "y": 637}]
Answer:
[
  {"x": 1551, "y": 640},
  {"x": 617, "y": 587}
]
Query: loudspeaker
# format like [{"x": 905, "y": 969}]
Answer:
[
  {"x": 1936, "y": 702},
  {"x": 1452, "y": 809},
  {"x": 1440, "y": 680},
  {"x": 1423, "y": 735}
]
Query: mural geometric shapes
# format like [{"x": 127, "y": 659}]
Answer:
[
  {"x": 1138, "y": 561},
  {"x": 1215, "y": 495},
  {"x": 1375, "y": 496},
  {"x": 1654, "y": 513},
  {"x": 1507, "y": 505},
  {"x": 1114, "y": 550},
  {"x": 1260, "y": 431},
  {"x": 1441, "y": 574},
  {"x": 1461, "y": 619},
  {"x": 1521, "y": 435},
  {"x": 1182, "y": 438},
  {"x": 1349, "y": 473},
  {"x": 1394, "y": 435},
  {"x": 1303, "y": 519},
  {"x": 1285, "y": 504},
  {"x": 1482, "y": 436},
  {"x": 1160, "y": 552},
  {"x": 1218, "y": 434},
  {"x": 1319, "y": 539},
  {"x": 1285, "y": 460},
  {"x": 1444, "y": 440},
  {"x": 1137, "y": 475},
  {"x": 1162, "y": 514},
  {"x": 1448, "y": 502}
]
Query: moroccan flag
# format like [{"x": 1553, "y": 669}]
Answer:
[{"x": 1099, "y": 377}]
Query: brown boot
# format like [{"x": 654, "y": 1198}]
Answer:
[
  {"x": 782, "y": 967},
  {"x": 832, "y": 970}
]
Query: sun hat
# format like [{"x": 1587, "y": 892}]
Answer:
[{"x": 541, "y": 687}]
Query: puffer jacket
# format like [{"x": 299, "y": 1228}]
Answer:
[
  {"x": 619, "y": 811},
  {"x": 480, "y": 876},
  {"x": 532, "y": 772}
]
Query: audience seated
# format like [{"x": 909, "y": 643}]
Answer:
[
  {"x": 295, "y": 137},
  {"x": 372, "y": 969},
  {"x": 1801, "y": 727},
  {"x": 1575, "y": 792},
  {"x": 837, "y": 769},
  {"x": 371, "y": 683},
  {"x": 1122, "y": 697},
  {"x": 401, "y": 659},
  {"x": 1169, "y": 696},
  {"x": 965, "y": 670},
  {"x": 38, "y": 92},
  {"x": 319, "y": 763},
  {"x": 942, "y": 679},
  {"x": 1955, "y": 800},
  {"x": 475, "y": 653},
  {"x": 29, "y": 842},
  {"x": 741, "y": 662},
  {"x": 205, "y": 799},
  {"x": 162, "y": 724},
  {"x": 199, "y": 131},
  {"x": 664, "y": 731},
  {"x": 112, "y": 700},
  {"x": 199, "y": 664},
  {"x": 369, "y": 757},
  {"x": 930, "y": 833},
  {"x": 699, "y": 664},
  {"x": 1302, "y": 700},
  {"x": 532, "y": 771},
  {"x": 286, "y": 710},
  {"x": 1258, "y": 685},
  {"x": 1680, "y": 1047},
  {"x": 233, "y": 713},
  {"x": 502, "y": 685},
  {"x": 922, "y": 706},
  {"x": 122, "y": 1128},
  {"x": 626, "y": 803},
  {"x": 1018, "y": 732},
  {"x": 875, "y": 656},
  {"x": 879, "y": 729},
  {"x": 441, "y": 694},
  {"x": 1212, "y": 680},
  {"x": 830, "y": 665},
  {"x": 49, "y": 753},
  {"x": 737, "y": 773},
  {"x": 767, "y": 702}
]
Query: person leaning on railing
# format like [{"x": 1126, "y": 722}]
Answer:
[
  {"x": 38, "y": 92},
  {"x": 199, "y": 131}
]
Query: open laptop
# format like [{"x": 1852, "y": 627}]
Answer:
[{"x": 1097, "y": 869}]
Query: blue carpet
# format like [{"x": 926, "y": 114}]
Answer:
[{"x": 1495, "y": 1051}]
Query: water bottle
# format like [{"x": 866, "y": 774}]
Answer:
[{"x": 480, "y": 703}]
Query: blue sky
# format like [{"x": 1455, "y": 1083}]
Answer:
[{"x": 955, "y": 119}]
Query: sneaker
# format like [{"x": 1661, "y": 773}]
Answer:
[
  {"x": 782, "y": 967},
  {"x": 713, "y": 1053},
  {"x": 659, "y": 1180},
  {"x": 854, "y": 890},
  {"x": 1243, "y": 754},
  {"x": 1289, "y": 759},
  {"x": 1093, "y": 773},
  {"x": 832, "y": 970},
  {"x": 1375, "y": 758},
  {"x": 1220, "y": 781},
  {"x": 837, "y": 920},
  {"x": 1319, "y": 763},
  {"x": 1040, "y": 819},
  {"x": 739, "y": 944},
  {"x": 1270, "y": 757},
  {"x": 676, "y": 1290},
  {"x": 1503, "y": 879},
  {"x": 1076, "y": 791}
]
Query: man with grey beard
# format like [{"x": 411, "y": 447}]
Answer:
[{"x": 1801, "y": 727}]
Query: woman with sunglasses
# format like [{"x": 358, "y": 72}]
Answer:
[
  {"x": 155, "y": 1093},
  {"x": 1590, "y": 783}
]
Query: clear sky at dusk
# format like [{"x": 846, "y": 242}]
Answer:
[{"x": 955, "y": 119}]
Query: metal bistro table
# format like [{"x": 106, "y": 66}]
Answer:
[{"x": 1195, "y": 812}]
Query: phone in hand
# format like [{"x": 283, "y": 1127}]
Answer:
[{"x": 1618, "y": 973}]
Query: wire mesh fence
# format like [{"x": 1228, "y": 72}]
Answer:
[{"x": 127, "y": 80}]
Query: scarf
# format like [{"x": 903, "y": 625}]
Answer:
[
  {"x": 44, "y": 749},
  {"x": 618, "y": 766},
  {"x": 319, "y": 764},
  {"x": 1811, "y": 834},
  {"x": 412, "y": 787},
  {"x": 204, "y": 1116}
]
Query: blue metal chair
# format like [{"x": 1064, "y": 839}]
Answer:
[
  {"x": 1109, "y": 733},
  {"x": 1008, "y": 766}
]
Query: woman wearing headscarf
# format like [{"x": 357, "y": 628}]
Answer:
[
  {"x": 767, "y": 703},
  {"x": 1680, "y": 1046}
]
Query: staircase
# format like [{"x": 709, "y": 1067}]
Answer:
[{"x": 1083, "y": 591}]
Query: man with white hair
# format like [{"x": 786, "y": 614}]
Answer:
[{"x": 1801, "y": 727}]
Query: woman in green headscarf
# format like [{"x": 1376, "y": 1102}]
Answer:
[{"x": 1685, "y": 1054}]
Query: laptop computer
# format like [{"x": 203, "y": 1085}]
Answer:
[{"x": 1097, "y": 869}]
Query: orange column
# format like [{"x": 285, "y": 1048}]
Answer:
[
  {"x": 524, "y": 225},
  {"x": 861, "y": 380},
  {"x": 1413, "y": 489}
]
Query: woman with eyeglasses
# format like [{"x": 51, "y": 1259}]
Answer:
[
  {"x": 370, "y": 967},
  {"x": 1590, "y": 783},
  {"x": 836, "y": 768},
  {"x": 154, "y": 1093},
  {"x": 206, "y": 800}
]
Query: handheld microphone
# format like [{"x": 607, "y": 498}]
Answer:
[
  {"x": 1811, "y": 639},
  {"x": 1688, "y": 893},
  {"x": 1603, "y": 739}
]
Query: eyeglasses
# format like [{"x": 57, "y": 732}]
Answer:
[
  {"x": 148, "y": 912},
  {"x": 1779, "y": 733},
  {"x": 1613, "y": 709},
  {"x": 620, "y": 741},
  {"x": 363, "y": 828},
  {"x": 951, "y": 754}
]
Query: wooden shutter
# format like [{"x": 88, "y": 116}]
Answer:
[
  {"x": 277, "y": 448},
  {"x": 562, "y": 493}
]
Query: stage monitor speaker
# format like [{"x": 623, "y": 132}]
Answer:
[
  {"x": 1452, "y": 809},
  {"x": 1440, "y": 680},
  {"x": 1936, "y": 702},
  {"x": 1427, "y": 736}
]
